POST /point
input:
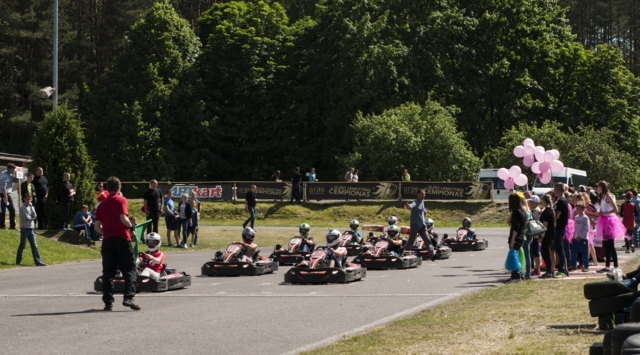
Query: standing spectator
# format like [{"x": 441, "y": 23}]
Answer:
[
  {"x": 102, "y": 193},
  {"x": 27, "y": 226},
  {"x": 628, "y": 213},
  {"x": 580, "y": 243},
  {"x": 406, "y": 176},
  {"x": 6, "y": 187},
  {"x": 250, "y": 201},
  {"x": 194, "y": 197},
  {"x": 534, "y": 251},
  {"x": 636, "y": 231},
  {"x": 42, "y": 192},
  {"x": 295, "y": 185},
  {"x": 562, "y": 219},
  {"x": 152, "y": 203},
  {"x": 276, "y": 176},
  {"x": 608, "y": 226},
  {"x": 312, "y": 175},
  {"x": 27, "y": 188},
  {"x": 349, "y": 175},
  {"x": 112, "y": 221},
  {"x": 548, "y": 219},
  {"x": 67, "y": 194},
  {"x": 355, "y": 178},
  {"x": 171, "y": 218},
  {"x": 195, "y": 222},
  {"x": 518, "y": 208},
  {"x": 83, "y": 221},
  {"x": 418, "y": 225},
  {"x": 184, "y": 210}
]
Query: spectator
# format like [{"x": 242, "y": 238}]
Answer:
[
  {"x": 6, "y": 187},
  {"x": 629, "y": 214},
  {"x": 548, "y": 219},
  {"x": 295, "y": 185},
  {"x": 152, "y": 203},
  {"x": 406, "y": 176},
  {"x": 580, "y": 243},
  {"x": 418, "y": 225},
  {"x": 83, "y": 221},
  {"x": 184, "y": 211},
  {"x": 349, "y": 175},
  {"x": 355, "y": 178},
  {"x": 102, "y": 193},
  {"x": 534, "y": 251},
  {"x": 562, "y": 220},
  {"x": 250, "y": 201},
  {"x": 636, "y": 231},
  {"x": 276, "y": 176},
  {"x": 27, "y": 226},
  {"x": 67, "y": 194},
  {"x": 27, "y": 188},
  {"x": 171, "y": 218},
  {"x": 194, "y": 197},
  {"x": 608, "y": 226},
  {"x": 312, "y": 175},
  {"x": 42, "y": 192},
  {"x": 195, "y": 222},
  {"x": 518, "y": 209},
  {"x": 112, "y": 221}
]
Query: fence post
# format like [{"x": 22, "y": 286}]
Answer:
[{"x": 400, "y": 191}]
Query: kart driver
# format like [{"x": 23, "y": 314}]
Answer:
[
  {"x": 335, "y": 253},
  {"x": 433, "y": 236},
  {"x": 396, "y": 243},
  {"x": 248, "y": 235},
  {"x": 466, "y": 225},
  {"x": 153, "y": 258},
  {"x": 307, "y": 240},
  {"x": 356, "y": 236}
]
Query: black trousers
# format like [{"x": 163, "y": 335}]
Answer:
[
  {"x": 545, "y": 250},
  {"x": 40, "y": 202},
  {"x": 154, "y": 216},
  {"x": 295, "y": 192},
  {"x": 3, "y": 212},
  {"x": 117, "y": 253},
  {"x": 66, "y": 213},
  {"x": 610, "y": 253}
]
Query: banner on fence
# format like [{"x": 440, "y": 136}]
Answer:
[
  {"x": 352, "y": 191},
  {"x": 205, "y": 191},
  {"x": 265, "y": 190},
  {"x": 475, "y": 190}
]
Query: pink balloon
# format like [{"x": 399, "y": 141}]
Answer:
[
  {"x": 556, "y": 166},
  {"x": 503, "y": 174},
  {"x": 521, "y": 180},
  {"x": 536, "y": 167},
  {"x": 546, "y": 178},
  {"x": 515, "y": 171},
  {"x": 528, "y": 141},
  {"x": 544, "y": 166},
  {"x": 539, "y": 153},
  {"x": 530, "y": 149},
  {"x": 508, "y": 184},
  {"x": 549, "y": 156},
  {"x": 519, "y": 151},
  {"x": 528, "y": 160},
  {"x": 556, "y": 153}
]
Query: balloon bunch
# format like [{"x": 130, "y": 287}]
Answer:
[
  {"x": 547, "y": 163},
  {"x": 528, "y": 151},
  {"x": 512, "y": 177}
]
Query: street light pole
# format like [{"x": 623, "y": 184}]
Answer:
[{"x": 55, "y": 53}]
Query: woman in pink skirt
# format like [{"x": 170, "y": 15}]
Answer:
[{"x": 609, "y": 226}]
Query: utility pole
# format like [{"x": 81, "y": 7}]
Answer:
[{"x": 55, "y": 53}]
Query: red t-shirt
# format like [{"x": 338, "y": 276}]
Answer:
[
  {"x": 155, "y": 267},
  {"x": 628, "y": 211},
  {"x": 109, "y": 213}
]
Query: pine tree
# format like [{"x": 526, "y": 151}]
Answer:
[{"x": 59, "y": 147}]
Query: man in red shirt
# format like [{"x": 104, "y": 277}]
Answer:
[{"x": 112, "y": 221}]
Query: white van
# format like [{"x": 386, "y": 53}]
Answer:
[
  {"x": 499, "y": 192},
  {"x": 569, "y": 176}
]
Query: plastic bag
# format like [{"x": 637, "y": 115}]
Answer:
[
  {"x": 523, "y": 262},
  {"x": 617, "y": 275},
  {"x": 513, "y": 262}
]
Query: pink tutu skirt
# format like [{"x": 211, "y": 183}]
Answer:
[
  {"x": 569, "y": 230},
  {"x": 610, "y": 227}
]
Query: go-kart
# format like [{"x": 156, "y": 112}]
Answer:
[
  {"x": 292, "y": 252},
  {"x": 229, "y": 263},
  {"x": 421, "y": 249},
  {"x": 462, "y": 243},
  {"x": 316, "y": 271},
  {"x": 381, "y": 228},
  {"x": 170, "y": 279},
  {"x": 352, "y": 248},
  {"x": 379, "y": 257}
]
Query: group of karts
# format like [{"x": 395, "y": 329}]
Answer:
[{"x": 313, "y": 264}]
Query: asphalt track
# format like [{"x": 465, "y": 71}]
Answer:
[{"x": 53, "y": 310}]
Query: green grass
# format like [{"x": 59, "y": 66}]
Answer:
[
  {"x": 445, "y": 214},
  {"x": 51, "y": 251}
]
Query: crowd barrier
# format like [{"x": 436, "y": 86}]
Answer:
[{"x": 314, "y": 191}]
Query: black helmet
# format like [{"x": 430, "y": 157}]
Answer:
[
  {"x": 466, "y": 222},
  {"x": 248, "y": 235}
]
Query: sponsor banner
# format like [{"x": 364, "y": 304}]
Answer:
[
  {"x": 475, "y": 190},
  {"x": 205, "y": 191},
  {"x": 265, "y": 190},
  {"x": 352, "y": 191}
]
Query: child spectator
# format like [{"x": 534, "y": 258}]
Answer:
[
  {"x": 580, "y": 242},
  {"x": 27, "y": 226},
  {"x": 195, "y": 218},
  {"x": 628, "y": 213}
]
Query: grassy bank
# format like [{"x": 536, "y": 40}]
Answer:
[
  {"x": 508, "y": 319},
  {"x": 445, "y": 214},
  {"x": 51, "y": 251}
]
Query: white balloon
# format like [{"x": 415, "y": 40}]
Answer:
[
  {"x": 521, "y": 180},
  {"x": 519, "y": 151},
  {"x": 503, "y": 174},
  {"x": 549, "y": 156},
  {"x": 515, "y": 171},
  {"x": 536, "y": 167},
  {"x": 556, "y": 166}
]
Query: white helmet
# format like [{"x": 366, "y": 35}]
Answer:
[
  {"x": 153, "y": 242},
  {"x": 333, "y": 238},
  {"x": 429, "y": 223},
  {"x": 392, "y": 220}
]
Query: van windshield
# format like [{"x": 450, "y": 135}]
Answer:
[{"x": 554, "y": 179}]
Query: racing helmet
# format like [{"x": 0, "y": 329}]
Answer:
[
  {"x": 392, "y": 220},
  {"x": 393, "y": 231},
  {"x": 333, "y": 238},
  {"x": 248, "y": 235},
  {"x": 429, "y": 223},
  {"x": 153, "y": 241},
  {"x": 354, "y": 225},
  {"x": 304, "y": 230},
  {"x": 466, "y": 222}
]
